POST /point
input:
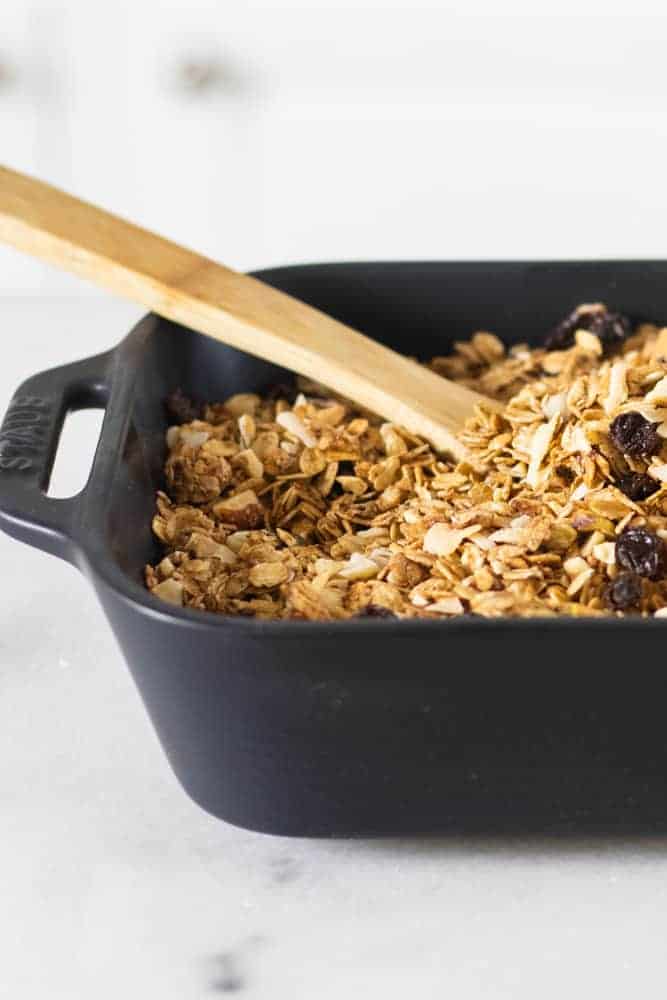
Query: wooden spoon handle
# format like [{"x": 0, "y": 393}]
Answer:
[{"x": 232, "y": 307}]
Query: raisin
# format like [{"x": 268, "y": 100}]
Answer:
[
  {"x": 637, "y": 485},
  {"x": 642, "y": 552},
  {"x": 634, "y": 435},
  {"x": 181, "y": 409},
  {"x": 566, "y": 473},
  {"x": 281, "y": 390},
  {"x": 625, "y": 591},
  {"x": 375, "y": 611},
  {"x": 611, "y": 328}
]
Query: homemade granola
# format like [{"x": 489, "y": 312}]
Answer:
[{"x": 307, "y": 508}]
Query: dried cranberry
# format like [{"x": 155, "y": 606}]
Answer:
[
  {"x": 181, "y": 409},
  {"x": 625, "y": 591},
  {"x": 375, "y": 611},
  {"x": 635, "y": 435},
  {"x": 642, "y": 552},
  {"x": 637, "y": 485},
  {"x": 612, "y": 328}
]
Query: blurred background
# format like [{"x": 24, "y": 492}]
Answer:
[{"x": 264, "y": 133}]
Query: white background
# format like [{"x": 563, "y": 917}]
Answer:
[
  {"x": 328, "y": 130},
  {"x": 321, "y": 131}
]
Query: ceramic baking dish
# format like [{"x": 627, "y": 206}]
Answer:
[{"x": 368, "y": 726}]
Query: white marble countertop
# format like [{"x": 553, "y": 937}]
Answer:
[{"x": 113, "y": 884}]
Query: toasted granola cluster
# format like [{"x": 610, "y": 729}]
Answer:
[{"x": 308, "y": 508}]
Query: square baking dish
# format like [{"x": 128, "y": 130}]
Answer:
[{"x": 369, "y": 726}]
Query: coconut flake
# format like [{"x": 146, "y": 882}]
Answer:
[
  {"x": 580, "y": 581},
  {"x": 446, "y": 606},
  {"x": 605, "y": 552},
  {"x": 658, "y": 393},
  {"x": 295, "y": 426},
  {"x": 658, "y": 472},
  {"x": 555, "y": 404},
  {"x": 574, "y": 566},
  {"x": 193, "y": 439},
  {"x": 580, "y": 492},
  {"x": 618, "y": 389},
  {"x": 574, "y": 440},
  {"x": 513, "y": 533},
  {"x": 539, "y": 446},
  {"x": 380, "y": 556},
  {"x": 441, "y": 540},
  {"x": 482, "y": 542},
  {"x": 359, "y": 567}
]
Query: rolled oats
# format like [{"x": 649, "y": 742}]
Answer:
[{"x": 283, "y": 507}]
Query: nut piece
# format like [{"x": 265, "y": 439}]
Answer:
[
  {"x": 588, "y": 342},
  {"x": 243, "y": 403},
  {"x": 242, "y": 510},
  {"x": 170, "y": 591}
]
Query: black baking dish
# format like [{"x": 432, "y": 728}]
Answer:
[{"x": 364, "y": 726}]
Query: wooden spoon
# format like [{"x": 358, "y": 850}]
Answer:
[{"x": 240, "y": 311}]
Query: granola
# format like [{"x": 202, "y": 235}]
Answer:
[{"x": 308, "y": 508}]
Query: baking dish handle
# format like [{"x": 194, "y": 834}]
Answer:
[{"x": 28, "y": 443}]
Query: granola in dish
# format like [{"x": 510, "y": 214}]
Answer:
[{"x": 301, "y": 506}]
